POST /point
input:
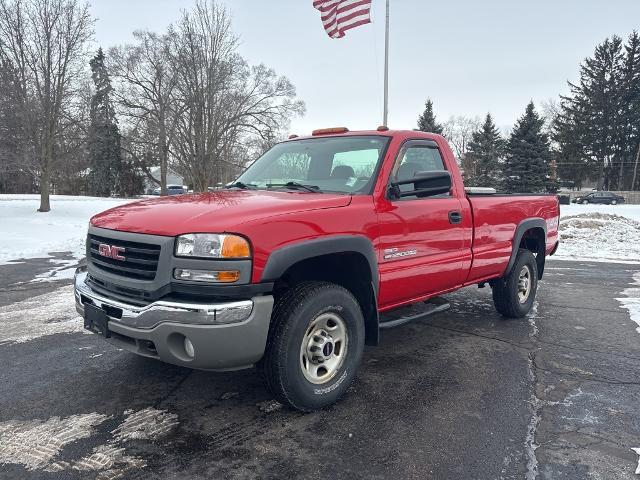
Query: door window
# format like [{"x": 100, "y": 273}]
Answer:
[{"x": 415, "y": 159}]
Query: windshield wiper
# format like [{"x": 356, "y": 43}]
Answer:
[
  {"x": 296, "y": 186},
  {"x": 241, "y": 185}
]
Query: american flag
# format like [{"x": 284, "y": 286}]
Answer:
[{"x": 338, "y": 16}]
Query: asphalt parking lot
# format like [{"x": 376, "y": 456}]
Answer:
[{"x": 460, "y": 395}]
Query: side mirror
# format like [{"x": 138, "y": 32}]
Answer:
[{"x": 425, "y": 184}]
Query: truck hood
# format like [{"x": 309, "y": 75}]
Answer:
[{"x": 213, "y": 212}]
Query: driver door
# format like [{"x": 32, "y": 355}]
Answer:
[{"x": 422, "y": 240}]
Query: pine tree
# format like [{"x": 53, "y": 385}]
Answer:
[
  {"x": 574, "y": 165},
  {"x": 598, "y": 131},
  {"x": 527, "y": 164},
  {"x": 486, "y": 151},
  {"x": 105, "y": 160},
  {"x": 630, "y": 138},
  {"x": 427, "y": 121},
  {"x": 596, "y": 103}
]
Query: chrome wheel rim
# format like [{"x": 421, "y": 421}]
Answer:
[
  {"x": 324, "y": 348},
  {"x": 524, "y": 284}
]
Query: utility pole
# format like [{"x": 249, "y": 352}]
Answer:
[{"x": 385, "y": 116}]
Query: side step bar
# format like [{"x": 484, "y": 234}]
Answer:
[{"x": 417, "y": 311}]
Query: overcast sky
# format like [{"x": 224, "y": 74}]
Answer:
[{"x": 469, "y": 56}]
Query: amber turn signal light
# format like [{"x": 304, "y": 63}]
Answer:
[
  {"x": 234, "y": 246},
  {"x": 228, "y": 276}
]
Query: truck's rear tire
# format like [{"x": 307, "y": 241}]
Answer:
[
  {"x": 314, "y": 347},
  {"x": 514, "y": 294}
]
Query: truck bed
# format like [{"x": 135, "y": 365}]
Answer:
[{"x": 495, "y": 219}]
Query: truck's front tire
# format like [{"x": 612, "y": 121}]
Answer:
[
  {"x": 514, "y": 294},
  {"x": 315, "y": 345}
]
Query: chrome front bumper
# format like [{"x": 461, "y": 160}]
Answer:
[
  {"x": 225, "y": 336},
  {"x": 161, "y": 311}
]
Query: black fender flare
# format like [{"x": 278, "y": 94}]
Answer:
[
  {"x": 523, "y": 227},
  {"x": 282, "y": 259}
]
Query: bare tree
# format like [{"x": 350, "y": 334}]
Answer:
[
  {"x": 550, "y": 111},
  {"x": 44, "y": 41},
  {"x": 145, "y": 87},
  {"x": 223, "y": 102},
  {"x": 458, "y": 131}
]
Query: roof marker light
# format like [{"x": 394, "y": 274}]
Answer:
[{"x": 329, "y": 131}]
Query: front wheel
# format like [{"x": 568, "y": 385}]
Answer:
[
  {"x": 514, "y": 294},
  {"x": 314, "y": 347},
  {"x": 585, "y": 202},
  {"x": 614, "y": 202}
]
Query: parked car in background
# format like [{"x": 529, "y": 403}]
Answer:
[
  {"x": 172, "y": 190},
  {"x": 608, "y": 198}
]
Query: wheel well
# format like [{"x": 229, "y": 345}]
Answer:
[
  {"x": 350, "y": 270},
  {"x": 534, "y": 240}
]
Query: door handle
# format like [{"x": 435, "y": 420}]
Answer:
[{"x": 455, "y": 217}]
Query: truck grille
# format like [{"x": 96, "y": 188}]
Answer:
[{"x": 140, "y": 259}]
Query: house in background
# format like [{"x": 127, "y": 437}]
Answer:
[{"x": 172, "y": 179}]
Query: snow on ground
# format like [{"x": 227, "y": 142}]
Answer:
[
  {"x": 39, "y": 316},
  {"x": 145, "y": 424},
  {"x": 27, "y": 233},
  {"x": 600, "y": 232},
  {"x": 595, "y": 232},
  {"x": 36, "y": 444},
  {"x": 631, "y": 300}
]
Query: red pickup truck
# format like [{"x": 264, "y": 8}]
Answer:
[{"x": 295, "y": 266}]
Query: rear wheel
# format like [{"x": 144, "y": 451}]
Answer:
[
  {"x": 514, "y": 294},
  {"x": 315, "y": 345}
]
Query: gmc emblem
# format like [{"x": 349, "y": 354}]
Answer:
[{"x": 111, "y": 251}]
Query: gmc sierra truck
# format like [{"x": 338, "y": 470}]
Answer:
[{"x": 295, "y": 266}]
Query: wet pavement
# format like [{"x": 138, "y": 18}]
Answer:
[{"x": 462, "y": 394}]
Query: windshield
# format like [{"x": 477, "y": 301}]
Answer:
[{"x": 330, "y": 164}]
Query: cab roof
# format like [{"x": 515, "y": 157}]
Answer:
[{"x": 404, "y": 134}]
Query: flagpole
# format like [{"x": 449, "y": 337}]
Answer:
[{"x": 385, "y": 116}]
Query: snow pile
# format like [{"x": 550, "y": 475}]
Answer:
[
  {"x": 599, "y": 236},
  {"x": 27, "y": 233},
  {"x": 631, "y": 301},
  {"x": 629, "y": 211}
]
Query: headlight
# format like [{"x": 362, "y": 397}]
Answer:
[{"x": 212, "y": 245}]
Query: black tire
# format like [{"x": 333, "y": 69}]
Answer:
[
  {"x": 506, "y": 290},
  {"x": 293, "y": 316},
  {"x": 613, "y": 202},
  {"x": 585, "y": 202}
]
